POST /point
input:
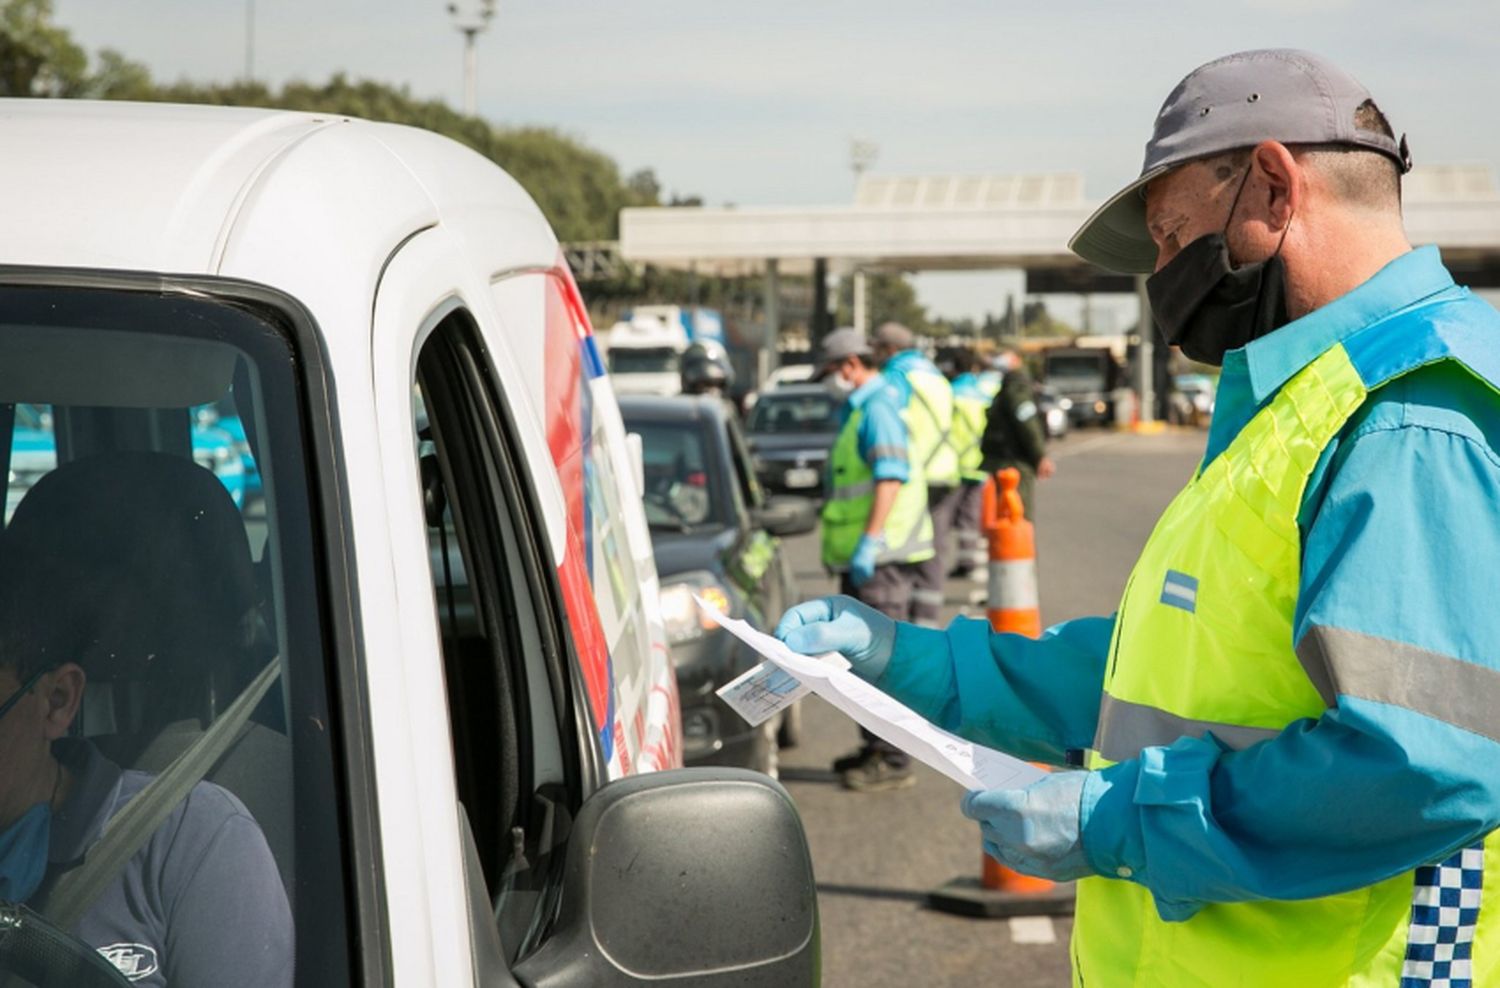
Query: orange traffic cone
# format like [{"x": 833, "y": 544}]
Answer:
[
  {"x": 1013, "y": 603},
  {"x": 1014, "y": 607}
]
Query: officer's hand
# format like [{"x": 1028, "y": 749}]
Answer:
[
  {"x": 866, "y": 553},
  {"x": 856, "y": 631},
  {"x": 1045, "y": 468},
  {"x": 1034, "y": 830}
]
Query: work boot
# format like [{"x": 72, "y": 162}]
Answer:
[
  {"x": 844, "y": 764},
  {"x": 878, "y": 772}
]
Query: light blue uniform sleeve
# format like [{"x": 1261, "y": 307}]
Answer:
[
  {"x": 1397, "y": 624},
  {"x": 882, "y": 439},
  {"x": 1036, "y": 698}
]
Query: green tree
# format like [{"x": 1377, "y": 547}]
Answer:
[
  {"x": 37, "y": 58},
  {"x": 1037, "y": 321},
  {"x": 889, "y": 297}
]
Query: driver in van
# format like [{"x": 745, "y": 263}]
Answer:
[{"x": 89, "y": 549}]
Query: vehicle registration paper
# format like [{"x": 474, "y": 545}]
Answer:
[{"x": 761, "y": 693}]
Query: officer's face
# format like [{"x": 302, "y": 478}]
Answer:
[
  {"x": 36, "y": 718},
  {"x": 1187, "y": 203}
]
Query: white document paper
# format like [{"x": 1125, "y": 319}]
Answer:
[
  {"x": 971, "y": 765},
  {"x": 768, "y": 689}
]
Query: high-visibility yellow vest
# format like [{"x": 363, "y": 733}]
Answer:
[
  {"x": 851, "y": 493},
  {"x": 969, "y": 415},
  {"x": 1203, "y": 642},
  {"x": 930, "y": 420}
]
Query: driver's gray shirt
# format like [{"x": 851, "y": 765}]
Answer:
[{"x": 200, "y": 904}]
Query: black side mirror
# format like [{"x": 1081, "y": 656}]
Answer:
[
  {"x": 787, "y": 514},
  {"x": 695, "y": 876}
]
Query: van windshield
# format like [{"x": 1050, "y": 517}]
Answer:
[
  {"x": 158, "y": 563},
  {"x": 643, "y": 360}
]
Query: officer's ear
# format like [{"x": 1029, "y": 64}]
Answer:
[
  {"x": 62, "y": 692},
  {"x": 1280, "y": 186}
]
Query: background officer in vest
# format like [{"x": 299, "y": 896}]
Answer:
[
  {"x": 928, "y": 399},
  {"x": 973, "y": 393},
  {"x": 1291, "y": 719},
  {"x": 876, "y": 530}
]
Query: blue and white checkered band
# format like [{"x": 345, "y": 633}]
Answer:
[{"x": 1444, "y": 911}]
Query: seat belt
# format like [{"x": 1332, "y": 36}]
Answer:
[{"x": 128, "y": 830}]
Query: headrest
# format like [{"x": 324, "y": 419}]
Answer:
[{"x": 131, "y": 564}]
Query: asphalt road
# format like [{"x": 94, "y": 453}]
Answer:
[{"x": 876, "y": 855}]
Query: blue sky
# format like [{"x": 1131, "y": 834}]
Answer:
[{"x": 755, "y": 104}]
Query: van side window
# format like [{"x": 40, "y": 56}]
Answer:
[
  {"x": 162, "y": 571},
  {"x": 503, "y": 652}
]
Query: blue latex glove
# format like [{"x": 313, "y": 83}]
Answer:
[
  {"x": 866, "y": 553},
  {"x": 856, "y": 631},
  {"x": 1034, "y": 830}
]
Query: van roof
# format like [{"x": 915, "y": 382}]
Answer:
[{"x": 200, "y": 189}]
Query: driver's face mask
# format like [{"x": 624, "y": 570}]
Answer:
[{"x": 23, "y": 845}]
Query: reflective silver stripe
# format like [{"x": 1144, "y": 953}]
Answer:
[
  {"x": 851, "y": 491},
  {"x": 1125, "y": 728},
  {"x": 889, "y": 452},
  {"x": 914, "y": 544},
  {"x": 1341, "y": 662},
  {"x": 927, "y": 597},
  {"x": 902, "y": 553}
]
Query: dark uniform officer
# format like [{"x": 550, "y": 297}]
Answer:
[{"x": 1014, "y": 434}]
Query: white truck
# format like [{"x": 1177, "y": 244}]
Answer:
[{"x": 645, "y": 347}]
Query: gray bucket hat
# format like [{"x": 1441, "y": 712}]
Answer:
[
  {"x": 839, "y": 345},
  {"x": 1279, "y": 94}
]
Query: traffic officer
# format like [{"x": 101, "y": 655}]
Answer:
[
  {"x": 876, "y": 530},
  {"x": 973, "y": 394},
  {"x": 928, "y": 399},
  {"x": 1014, "y": 433},
  {"x": 1290, "y": 720}
]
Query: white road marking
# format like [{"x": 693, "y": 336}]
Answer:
[{"x": 1032, "y": 929}]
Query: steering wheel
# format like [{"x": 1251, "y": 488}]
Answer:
[{"x": 42, "y": 954}]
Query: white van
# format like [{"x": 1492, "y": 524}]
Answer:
[{"x": 399, "y": 719}]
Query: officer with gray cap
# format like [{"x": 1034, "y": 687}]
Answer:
[
  {"x": 927, "y": 398},
  {"x": 1288, "y": 724},
  {"x": 876, "y": 530}
]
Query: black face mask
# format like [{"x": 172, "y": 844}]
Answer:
[{"x": 1207, "y": 306}]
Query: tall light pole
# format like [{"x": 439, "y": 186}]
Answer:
[
  {"x": 249, "y": 40},
  {"x": 862, "y": 155},
  {"x": 471, "y": 23}
]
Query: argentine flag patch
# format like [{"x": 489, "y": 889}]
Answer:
[{"x": 1180, "y": 590}]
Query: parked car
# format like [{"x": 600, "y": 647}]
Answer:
[
  {"x": 1192, "y": 400},
  {"x": 715, "y": 535},
  {"x": 434, "y": 671},
  {"x": 790, "y": 431},
  {"x": 1055, "y": 411}
]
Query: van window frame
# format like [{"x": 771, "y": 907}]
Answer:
[
  {"x": 332, "y": 548},
  {"x": 466, "y": 365}
]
